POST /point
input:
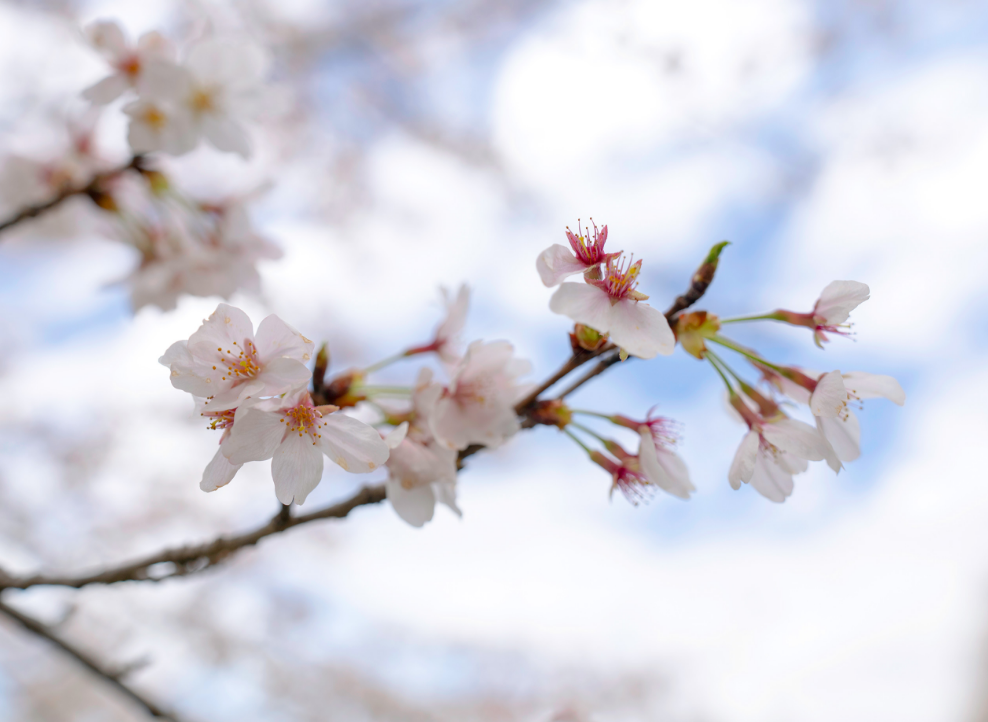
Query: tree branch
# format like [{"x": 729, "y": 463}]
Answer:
[
  {"x": 92, "y": 189},
  {"x": 190, "y": 559},
  {"x": 114, "y": 678}
]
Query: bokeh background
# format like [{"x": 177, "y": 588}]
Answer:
[{"x": 433, "y": 143}]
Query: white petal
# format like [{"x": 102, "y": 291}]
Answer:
[
  {"x": 155, "y": 45},
  {"x": 797, "y": 438},
  {"x": 107, "y": 90},
  {"x": 416, "y": 506},
  {"x": 107, "y": 37},
  {"x": 226, "y": 326},
  {"x": 276, "y": 338},
  {"x": 743, "y": 465},
  {"x": 446, "y": 494},
  {"x": 396, "y": 435},
  {"x": 770, "y": 480},
  {"x": 282, "y": 374},
  {"x": 584, "y": 304},
  {"x": 178, "y": 351},
  {"x": 830, "y": 397},
  {"x": 641, "y": 330},
  {"x": 296, "y": 469},
  {"x": 221, "y": 61},
  {"x": 351, "y": 444},
  {"x": 556, "y": 263},
  {"x": 871, "y": 386},
  {"x": 219, "y": 472},
  {"x": 255, "y": 436},
  {"x": 164, "y": 81},
  {"x": 227, "y": 135},
  {"x": 664, "y": 468},
  {"x": 838, "y": 299},
  {"x": 844, "y": 435}
]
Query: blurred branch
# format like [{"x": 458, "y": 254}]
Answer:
[
  {"x": 93, "y": 189},
  {"x": 191, "y": 559},
  {"x": 114, "y": 678}
]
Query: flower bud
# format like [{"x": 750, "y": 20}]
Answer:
[
  {"x": 586, "y": 339},
  {"x": 551, "y": 412},
  {"x": 692, "y": 329}
]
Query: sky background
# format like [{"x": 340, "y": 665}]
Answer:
[{"x": 825, "y": 140}]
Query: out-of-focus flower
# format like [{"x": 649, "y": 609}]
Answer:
[
  {"x": 446, "y": 341},
  {"x": 478, "y": 405},
  {"x": 613, "y": 306},
  {"x": 128, "y": 62},
  {"x": 219, "y": 85},
  {"x": 660, "y": 464},
  {"x": 775, "y": 448},
  {"x": 558, "y": 262},
  {"x": 421, "y": 472},
  {"x": 830, "y": 312},
  {"x": 225, "y": 364},
  {"x": 296, "y": 434},
  {"x": 155, "y": 126},
  {"x": 220, "y": 259},
  {"x": 693, "y": 329}
]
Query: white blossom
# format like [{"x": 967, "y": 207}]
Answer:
[{"x": 128, "y": 62}]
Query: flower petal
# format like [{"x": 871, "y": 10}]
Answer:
[
  {"x": 871, "y": 386},
  {"x": 255, "y": 436},
  {"x": 351, "y": 444},
  {"x": 219, "y": 472},
  {"x": 276, "y": 338},
  {"x": 416, "y": 505},
  {"x": 107, "y": 90},
  {"x": 743, "y": 465},
  {"x": 282, "y": 374},
  {"x": 296, "y": 469},
  {"x": 797, "y": 438},
  {"x": 844, "y": 435},
  {"x": 227, "y": 135},
  {"x": 838, "y": 299},
  {"x": 556, "y": 263},
  {"x": 664, "y": 468},
  {"x": 641, "y": 330},
  {"x": 830, "y": 397},
  {"x": 584, "y": 304},
  {"x": 396, "y": 435},
  {"x": 770, "y": 480}
]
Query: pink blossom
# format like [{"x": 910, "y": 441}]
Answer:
[
  {"x": 478, "y": 405},
  {"x": 558, "y": 262},
  {"x": 831, "y": 310},
  {"x": 296, "y": 434},
  {"x": 613, "y": 306},
  {"x": 225, "y": 364},
  {"x": 128, "y": 62}
]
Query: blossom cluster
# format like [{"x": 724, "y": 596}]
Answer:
[
  {"x": 173, "y": 100},
  {"x": 270, "y": 403},
  {"x": 260, "y": 391}
]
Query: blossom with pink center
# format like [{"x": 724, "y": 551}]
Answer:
[
  {"x": 478, "y": 405},
  {"x": 829, "y": 395},
  {"x": 775, "y": 448},
  {"x": 421, "y": 472},
  {"x": 558, "y": 262},
  {"x": 656, "y": 459},
  {"x": 128, "y": 62},
  {"x": 831, "y": 310},
  {"x": 296, "y": 434},
  {"x": 225, "y": 364},
  {"x": 612, "y": 305}
]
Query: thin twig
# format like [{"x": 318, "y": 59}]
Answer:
[
  {"x": 91, "y": 189},
  {"x": 190, "y": 559},
  {"x": 114, "y": 678}
]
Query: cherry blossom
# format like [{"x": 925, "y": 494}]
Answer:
[
  {"x": 446, "y": 341},
  {"x": 660, "y": 464},
  {"x": 478, "y": 405},
  {"x": 613, "y": 306},
  {"x": 128, "y": 62},
  {"x": 830, "y": 312},
  {"x": 296, "y": 434},
  {"x": 225, "y": 364},
  {"x": 421, "y": 472},
  {"x": 558, "y": 262},
  {"x": 219, "y": 472},
  {"x": 775, "y": 448},
  {"x": 156, "y": 126},
  {"x": 627, "y": 475},
  {"x": 219, "y": 84}
]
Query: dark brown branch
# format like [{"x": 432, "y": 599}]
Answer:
[
  {"x": 190, "y": 559},
  {"x": 114, "y": 678},
  {"x": 93, "y": 189}
]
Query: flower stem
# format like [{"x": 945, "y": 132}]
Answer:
[
  {"x": 574, "y": 437},
  {"x": 385, "y": 362},
  {"x": 593, "y": 413},
  {"x": 774, "y": 316},
  {"x": 726, "y": 342},
  {"x": 714, "y": 357},
  {"x": 587, "y": 430},
  {"x": 383, "y": 390},
  {"x": 710, "y": 357}
]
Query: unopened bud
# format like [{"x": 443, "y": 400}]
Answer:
[
  {"x": 551, "y": 412},
  {"x": 340, "y": 390},
  {"x": 104, "y": 200},
  {"x": 586, "y": 339},
  {"x": 693, "y": 329}
]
